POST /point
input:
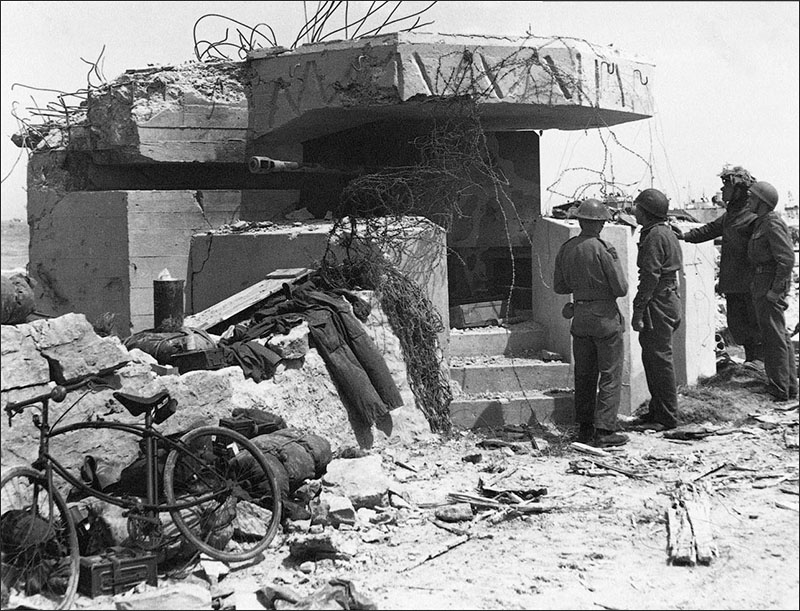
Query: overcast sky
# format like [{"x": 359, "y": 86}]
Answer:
[{"x": 726, "y": 86}]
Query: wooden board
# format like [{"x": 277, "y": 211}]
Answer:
[
  {"x": 700, "y": 519},
  {"x": 241, "y": 301}
]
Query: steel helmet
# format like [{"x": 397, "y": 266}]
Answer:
[
  {"x": 653, "y": 202},
  {"x": 765, "y": 192},
  {"x": 593, "y": 210},
  {"x": 737, "y": 174}
]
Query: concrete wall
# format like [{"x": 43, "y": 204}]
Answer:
[
  {"x": 160, "y": 226},
  {"x": 222, "y": 264},
  {"x": 79, "y": 253},
  {"x": 693, "y": 342},
  {"x": 97, "y": 252}
]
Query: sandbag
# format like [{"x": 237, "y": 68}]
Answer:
[
  {"x": 245, "y": 466},
  {"x": 163, "y": 346},
  {"x": 318, "y": 447},
  {"x": 298, "y": 462},
  {"x": 320, "y": 450},
  {"x": 17, "y": 299}
]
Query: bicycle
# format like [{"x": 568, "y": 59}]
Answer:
[{"x": 217, "y": 486}]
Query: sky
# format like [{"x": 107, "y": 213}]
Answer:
[{"x": 725, "y": 87}]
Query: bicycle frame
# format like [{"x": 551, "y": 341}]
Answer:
[{"x": 48, "y": 464}]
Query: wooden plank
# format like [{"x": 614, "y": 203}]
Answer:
[
  {"x": 681, "y": 543},
  {"x": 700, "y": 519},
  {"x": 235, "y": 304},
  {"x": 288, "y": 272}
]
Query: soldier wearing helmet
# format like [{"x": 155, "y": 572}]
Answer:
[
  {"x": 771, "y": 252},
  {"x": 588, "y": 268},
  {"x": 657, "y": 308},
  {"x": 735, "y": 226}
]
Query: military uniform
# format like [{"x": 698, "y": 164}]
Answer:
[
  {"x": 588, "y": 268},
  {"x": 735, "y": 226},
  {"x": 771, "y": 252},
  {"x": 657, "y": 305}
]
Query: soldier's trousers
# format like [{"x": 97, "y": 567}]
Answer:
[
  {"x": 598, "y": 375},
  {"x": 779, "y": 362},
  {"x": 743, "y": 324},
  {"x": 662, "y": 318}
]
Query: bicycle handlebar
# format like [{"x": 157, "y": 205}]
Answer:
[{"x": 58, "y": 393}]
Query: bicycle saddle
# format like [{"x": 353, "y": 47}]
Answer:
[{"x": 137, "y": 405}]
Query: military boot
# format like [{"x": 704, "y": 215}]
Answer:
[
  {"x": 604, "y": 438},
  {"x": 586, "y": 433}
]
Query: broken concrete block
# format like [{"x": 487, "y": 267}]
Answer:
[
  {"x": 52, "y": 332},
  {"x": 140, "y": 356},
  {"x": 310, "y": 546},
  {"x": 366, "y": 515},
  {"x": 23, "y": 365},
  {"x": 251, "y": 520},
  {"x": 73, "y": 347},
  {"x": 362, "y": 480},
  {"x": 292, "y": 345},
  {"x": 332, "y": 509},
  {"x": 86, "y": 356}
]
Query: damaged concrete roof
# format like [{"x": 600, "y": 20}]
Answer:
[
  {"x": 217, "y": 111},
  {"x": 518, "y": 83}
]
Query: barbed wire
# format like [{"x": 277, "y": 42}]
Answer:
[{"x": 244, "y": 41}]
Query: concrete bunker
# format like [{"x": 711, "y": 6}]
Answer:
[{"x": 161, "y": 162}]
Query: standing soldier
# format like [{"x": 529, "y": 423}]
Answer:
[
  {"x": 657, "y": 308},
  {"x": 770, "y": 250},
  {"x": 588, "y": 268},
  {"x": 735, "y": 226}
]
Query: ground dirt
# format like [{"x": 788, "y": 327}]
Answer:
[{"x": 603, "y": 545}]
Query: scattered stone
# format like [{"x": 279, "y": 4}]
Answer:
[
  {"x": 362, "y": 480},
  {"x": 312, "y": 546},
  {"x": 373, "y": 535},
  {"x": 251, "y": 520},
  {"x": 23, "y": 365},
  {"x": 365, "y": 515},
  {"x": 458, "y": 512},
  {"x": 73, "y": 347},
  {"x": 268, "y": 595},
  {"x": 307, "y": 567},
  {"x": 308, "y": 490},
  {"x": 332, "y": 509},
  {"x": 297, "y": 526}
]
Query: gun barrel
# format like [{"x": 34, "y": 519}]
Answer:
[{"x": 266, "y": 165}]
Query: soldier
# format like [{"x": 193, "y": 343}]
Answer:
[
  {"x": 588, "y": 268},
  {"x": 735, "y": 226},
  {"x": 771, "y": 252},
  {"x": 657, "y": 308}
]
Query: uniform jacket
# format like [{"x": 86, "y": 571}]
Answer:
[
  {"x": 588, "y": 267},
  {"x": 735, "y": 226},
  {"x": 659, "y": 260},
  {"x": 771, "y": 252}
]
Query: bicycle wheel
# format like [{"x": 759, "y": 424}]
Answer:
[
  {"x": 235, "y": 503},
  {"x": 39, "y": 556}
]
